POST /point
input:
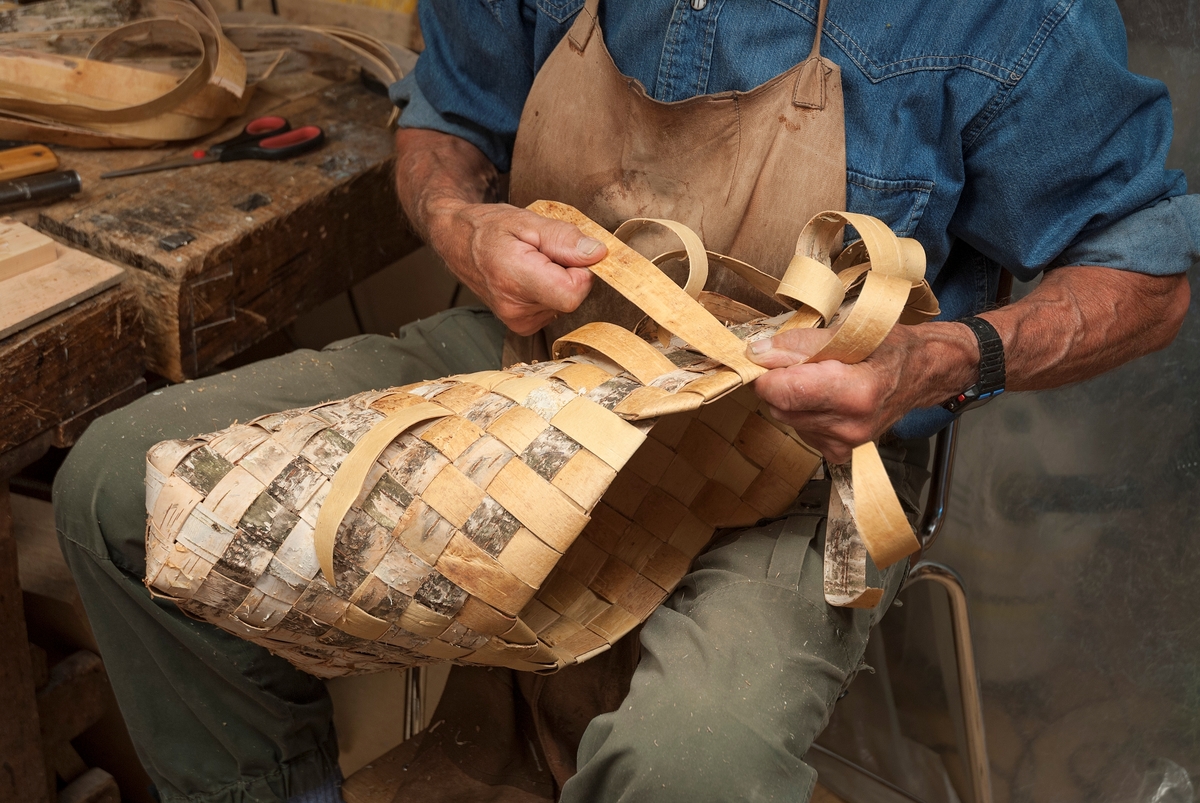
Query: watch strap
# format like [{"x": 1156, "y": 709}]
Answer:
[
  {"x": 991, "y": 368},
  {"x": 991, "y": 356}
]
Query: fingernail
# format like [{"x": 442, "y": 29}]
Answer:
[
  {"x": 762, "y": 346},
  {"x": 587, "y": 246}
]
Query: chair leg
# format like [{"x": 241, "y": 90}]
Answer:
[{"x": 968, "y": 676}]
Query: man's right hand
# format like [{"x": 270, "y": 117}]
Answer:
[{"x": 526, "y": 268}]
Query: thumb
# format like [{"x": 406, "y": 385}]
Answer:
[
  {"x": 788, "y": 348},
  {"x": 566, "y": 245},
  {"x": 564, "y": 290}
]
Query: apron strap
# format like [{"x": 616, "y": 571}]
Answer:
[
  {"x": 816, "y": 46},
  {"x": 809, "y": 89},
  {"x": 586, "y": 21}
]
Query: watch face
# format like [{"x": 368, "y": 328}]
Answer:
[{"x": 970, "y": 399}]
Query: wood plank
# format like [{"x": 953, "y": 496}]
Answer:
[
  {"x": 61, "y": 14},
  {"x": 378, "y": 781},
  {"x": 64, "y": 366},
  {"x": 41, "y": 291},
  {"x": 24, "y": 775},
  {"x": 54, "y": 613},
  {"x": 388, "y": 25},
  {"x": 75, "y": 698},
  {"x": 20, "y": 457},
  {"x": 93, "y": 786},
  {"x": 53, "y": 609},
  {"x": 21, "y": 249},
  {"x": 820, "y": 795},
  {"x": 269, "y": 239},
  {"x": 66, "y": 433}
]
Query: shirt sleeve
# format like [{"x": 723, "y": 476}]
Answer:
[
  {"x": 1070, "y": 164},
  {"x": 474, "y": 74}
]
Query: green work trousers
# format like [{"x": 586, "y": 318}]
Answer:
[{"x": 738, "y": 671}]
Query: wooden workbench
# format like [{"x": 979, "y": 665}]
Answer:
[
  {"x": 55, "y": 377},
  {"x": 265, "y": 241}
]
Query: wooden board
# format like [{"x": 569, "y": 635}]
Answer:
[
  {"x": 388, "y": 24},
  {"x": 54, "y": 611},
  {"x": 37, "y": 294},
  {"x": 268, "y": 240},
  {"x": 24, "y": 776},
  {"x": 67, "y": 364},
  {"x": 94, "y": 786},
  {"x": 379, "y": 781},
  {"x": 21, "y": 249}
]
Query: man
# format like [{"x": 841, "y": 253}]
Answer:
[{"x": 998, "y": 135}]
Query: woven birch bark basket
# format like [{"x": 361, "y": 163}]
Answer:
[{"x": 530, "y": 517}]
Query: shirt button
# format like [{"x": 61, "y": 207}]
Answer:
[{"x": 698, "y": 5}]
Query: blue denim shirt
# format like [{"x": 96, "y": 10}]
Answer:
[{"x": 1007, "y": 133}]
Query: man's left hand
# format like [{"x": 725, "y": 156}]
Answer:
[{"x": 835, "y": 407}]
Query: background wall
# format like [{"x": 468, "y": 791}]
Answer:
[{"x": 1074, "y": 522}]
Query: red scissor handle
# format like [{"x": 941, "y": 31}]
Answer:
[
  {"x": 255, "y": 130},
  {"x": 266, "y": 125},
  {"x": 281, "y": 146}
]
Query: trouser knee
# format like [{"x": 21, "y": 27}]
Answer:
[
  {"x": 99, "y": 501},
  {"x": 707, "y": 755}
]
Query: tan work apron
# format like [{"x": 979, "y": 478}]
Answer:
[{"x": 744, "y": 170}]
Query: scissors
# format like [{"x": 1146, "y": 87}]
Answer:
[{"x": 270, "y": 138}]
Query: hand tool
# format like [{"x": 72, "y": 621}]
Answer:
[
  {"x": 270, "y": 138},
  {"x": 42, "y": 188},
  {"x": 27, "y": 160}
]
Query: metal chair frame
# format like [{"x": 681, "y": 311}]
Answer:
[{"x": 933, "y": 518}]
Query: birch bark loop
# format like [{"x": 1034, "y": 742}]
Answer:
[
  {"x": 526, "y": 517},
  {"x": 96, "y": 102}
]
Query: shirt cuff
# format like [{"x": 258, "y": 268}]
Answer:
[
  {"x": 1160, "y": 240},
  {"x": 924, "y": 422},
  {"x": 418, "y": 112}
]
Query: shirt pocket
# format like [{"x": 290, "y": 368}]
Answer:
[
  {"x": 897, "y": 202},
  {"x": 559, "y": 10}
]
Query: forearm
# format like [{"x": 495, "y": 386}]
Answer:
[
  {"x": 437, "y": 174},
  {"x": 1079, "y": 322},
  {"x": 525, "y": 267}
]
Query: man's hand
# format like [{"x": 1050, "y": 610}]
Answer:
[
  {"x": 835, "y": 407},
  {"x": 526, "y": 268}
]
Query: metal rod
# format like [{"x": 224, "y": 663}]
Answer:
[
  {"x": 978, "y": 767},
  {"x": 941, "y": 473}
]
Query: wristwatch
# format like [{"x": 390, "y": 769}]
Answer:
[{"x": 991, "y": 369}]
